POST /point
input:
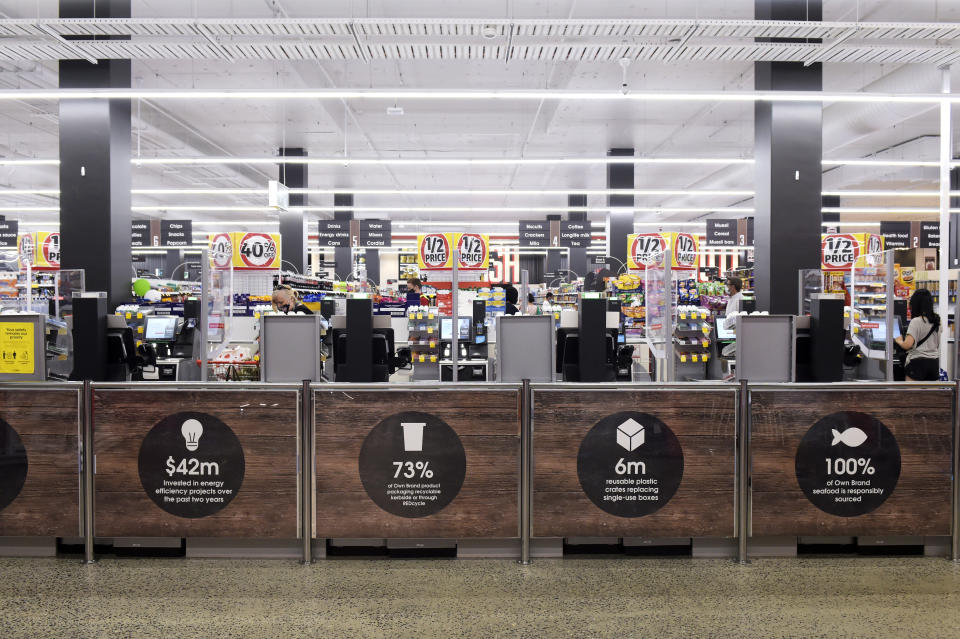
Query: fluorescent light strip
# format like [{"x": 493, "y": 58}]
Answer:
[
  {"x": 846, "y": 224},
  {"x": 504, "y": 94},
  {"x": 497, "y": 192},
  {"x": 451, "y": 209},
  {"x": 335, "y": 161},
  {"x": 881, "y": 209}
]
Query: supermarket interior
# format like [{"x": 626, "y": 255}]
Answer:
[{"x": 539, "y": 283}]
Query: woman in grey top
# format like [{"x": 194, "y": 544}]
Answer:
[{"x": 922, "y": 341}]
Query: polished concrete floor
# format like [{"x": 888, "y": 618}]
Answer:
[{"x": 594, "y": 597}]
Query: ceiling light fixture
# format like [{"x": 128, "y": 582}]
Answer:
[{"x": 474, "y": 94}]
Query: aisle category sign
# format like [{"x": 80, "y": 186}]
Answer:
[
  {"x": 844, "y": 251},
  {"x": 646, "y": 249},
  {"x": 435, "y": 251},
  {"x": 17, "y": 348},
  {"x": 245, "y": 250},
  {"x": 41, "y": 249}
]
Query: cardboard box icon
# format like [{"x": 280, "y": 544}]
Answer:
[{"x": 630, "y": 435}]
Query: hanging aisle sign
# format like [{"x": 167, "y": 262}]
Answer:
[
  {"x": 9, "y": 230},
  {"x": 435, "y": 251}
]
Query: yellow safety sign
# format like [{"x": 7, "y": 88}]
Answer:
[{"x": 17, "y": 348}]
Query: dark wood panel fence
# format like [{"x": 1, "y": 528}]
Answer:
[
  {"x": 47, "y": 422},
  {"x": 703, "y": 421},
  {"x": 265, "y": 422},
  {"x": 919, "y": 419},
  {"x": 488, "y": 425}
]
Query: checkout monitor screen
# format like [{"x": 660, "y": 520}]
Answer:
[
  {"x": 446, "y": 328},
  {"x": 161, "y": 329},
  {"x": 725, "y": 333},
  {"x": 880, "y": 332}
]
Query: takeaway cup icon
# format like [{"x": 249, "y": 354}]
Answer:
[{"x": 413, "y": 436}]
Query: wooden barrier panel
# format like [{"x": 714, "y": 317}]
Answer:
[
  {"x": 851, "y": 462},
  {"x": 650, "y": 463},
  {"x": 410, "y": 463},
  {"x": 202, "y": 463},
  {"x": 39, "y": 468}
]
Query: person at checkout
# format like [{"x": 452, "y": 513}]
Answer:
[
  {"x": 734, "y": 306},
  {"x": 286, "y": 300},
  {"x": 414, "y": 286}
]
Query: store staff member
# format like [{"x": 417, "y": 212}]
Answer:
[
  {"x": 413, "y": 292},
  {"x": 734, "y": 302},
  {"x": 547, "y": 305},
  {"x": 286, "y": 300},
  {"x": 513, "y": 296}
]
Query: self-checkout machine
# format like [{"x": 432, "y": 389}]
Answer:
[{"x": 174, "y": 343}]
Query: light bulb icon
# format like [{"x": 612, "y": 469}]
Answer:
[{"x": 191, "y": 431}]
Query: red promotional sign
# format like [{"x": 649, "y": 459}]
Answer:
[{"x": 839, "y": 252}]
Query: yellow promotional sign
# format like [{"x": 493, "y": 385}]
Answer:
[
  {"x": 17, "y": 348},
  {"x": 251, "y": 250},
  {"x": 647, "y": 249},
  {"x": 843, "y": 251},
  {"x": 42, "y": 249},
  {"x": 435, "y": 251}
]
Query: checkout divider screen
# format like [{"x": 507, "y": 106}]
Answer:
[
  {"x": 851, "y": 460},
  {"x": 417, "y": 462},
  {"x": 196, "y": 461},
  {"x": 39, "y": 448},
  {"x": 634, "y": 461}
]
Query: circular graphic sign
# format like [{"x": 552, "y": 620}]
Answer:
[
  {"x": 473, "y": 251},
  {"x": 435, "y": 251},
  {"x": 412, "y": 464},
  {"x": 191, "y": 464},
  {"x": 51, "y": 249},
  {"x": 257, "y": 250},
  {"x": 848, "y": 464},
  {"x": 13, "y": 464},
  {"x": 647, "y": 249},
  {"x": 630, "y": 464},
  {"x": 839, "y": 252},
  {"x": 221, "y": 250}
]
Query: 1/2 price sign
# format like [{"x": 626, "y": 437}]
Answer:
[
  {"x": 473, "y": 251},
  {"x": 435, "y": 251}
]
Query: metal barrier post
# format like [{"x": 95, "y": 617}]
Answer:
[
  {"x": 306, "y": 471},
  {"x": 526, "y": 472},
  {"x": 743, "y": 472},
  {"x": 89, "y": 468},
  {"x": 955, "y": 545}
]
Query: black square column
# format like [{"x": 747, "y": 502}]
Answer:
[
  {"x": 95, "y": 166},
  {"x": 788, "y": 149},
  {"x": 293, "y": 224},
  {"x": 619, "y": 223}
]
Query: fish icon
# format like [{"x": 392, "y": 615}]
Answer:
[{"x": 852, "y": 437}]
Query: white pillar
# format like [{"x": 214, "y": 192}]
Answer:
[{"x": 946, "y": 156}]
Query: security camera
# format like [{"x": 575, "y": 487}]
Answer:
[{"x": 624, "y": 63}]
